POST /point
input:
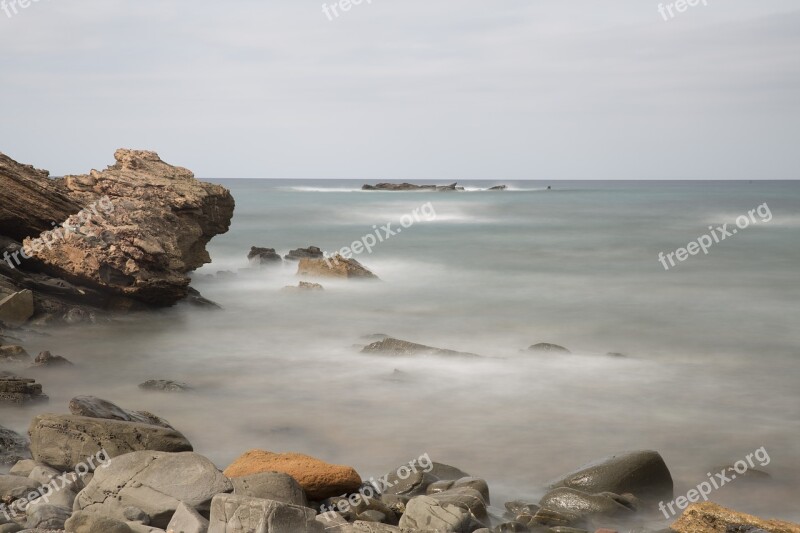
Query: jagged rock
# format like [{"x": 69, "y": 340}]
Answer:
[
  {"x": 319, "y": 479},
  {"x": 140, "y": 227},
  {"x": 155, "y": 482},
  {"x": 334, "y": 267},
  {"x": 49, "y": 360},
  {"x": 64, "y": 441},
  {"x": 300, "y": 253},
  {"x": 93, "y": 407},
  {"x": 264, "y": 256},
  {"x": 165, "y": 385},
  {"x": 409, "y": 187},
  {"x": 19, "y": 390},
  {"x": 17, "y": 308},
  {"x": 13, "y": 447},
  {"x": 391, "y": 346},
  {"x": 305, "y": 286},
  {"x": 239, "y": 514},
  {"x": 548, "y": 348},
  {"x": 708, "y": 517}
]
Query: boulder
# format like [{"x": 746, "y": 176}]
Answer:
[
  {"x": 319, "y": 479},
  {"x": 17, "y": 308},
  {"x": 94, "y": 407},
  {"x": 13, "y": 447},
  {"x": 165, "y": 385},
  {"x": 334, "y": 267},
  {"x": 426, "y": 513},
  {"x": 708, "y": 517},
  {"x": 584, "y": 504},
  {"x": 231, "y": 513},
  {"x": 300, "y": 253},
  {"x": 155, "y": 482},
  {"x": 19, "y": 390},
  {"x": 643, "y": 474},
  {"x": 46, "y": 359},
  {"x": 397, "y": 347},
  {"x": 15, "y": 487},
  {"x": 81, "y": 522},
  {"x": 187, "y": 520},
  {"x": 264, "y": 256},
  {"x": 548, "y": 348},
  {"x": 64, "y": 441},
  {"x": 270, "y": 486},
  {"x": 46, "y": 516}
]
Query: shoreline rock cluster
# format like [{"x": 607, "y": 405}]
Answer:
[{"x": 106, "y": 469}]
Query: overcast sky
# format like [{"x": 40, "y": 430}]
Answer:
[{"x": 407, "y": 89}]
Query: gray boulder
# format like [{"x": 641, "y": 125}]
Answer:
[
  {"x": 426, "y": 513},
  {"x": 15, "y": 487},
  {"x": 271, "y": 486},
  {"x": 155, "y": 482},
  {"x": 81, "y": 522},
  {"x": 94, "y": 407},
  {"x": 187, "y": 520},
  {"x": 643, "y": 474},
  {"x": 46, "y": 516},
  {"x": 231, "y": 513},
  {"x": 584, "y": 504}
]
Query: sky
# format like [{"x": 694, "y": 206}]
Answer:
[{"x": 407, "y": 89}]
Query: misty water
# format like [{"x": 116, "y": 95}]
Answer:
[{"x": 712, "y": 363}]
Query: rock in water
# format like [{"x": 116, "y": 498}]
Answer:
[
  {"x": 13, "y": 447},
  {"x": 390, "y": 346},
  {"x": 13, "y": 354},
  {"x": 155, "y": 482},
  {"x": 643, "y": 474},
  {"x": 304, "y": 286},
  {"x": 410, "y": 187},
  {"x": 47, "y": 359},
  {"x": 19, "y": 390},
  {"x": 334, "y": 267},
  {"x": 300, "y": 253},
  {"x": 264, "y": 256},
  {"x": 165, "y": 385},
  {"x": 549, "y": 348},
  {"x": 708, "y": 517},
  {"x": 319, "y": 479},
  {"x": 94, "y": 407},
  {"x": 145, "y": 225}
]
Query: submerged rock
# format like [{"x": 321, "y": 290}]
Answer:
[
  {"x": 17, "y": 390},
  {"x": 264, "y": 256},
  {"x": 304, "y": 286},
  {"x": 334, "y": 267},
  {"x": 13, "y": 354},
  {"x": 319, "y": 479},
  {"x": 165, "y": 385},
  {"x": 708, "y": 517},
  {"x": 548, "y": 348},
  {"x": 397, "y": 347},
  {"x": 47, "y": 359}
]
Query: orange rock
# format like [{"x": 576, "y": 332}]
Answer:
[
  {"x": 319, "y": 479},
  {"x": 709, "y": 517}
]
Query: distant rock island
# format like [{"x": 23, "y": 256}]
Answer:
[{"x": 413, "y": 187}]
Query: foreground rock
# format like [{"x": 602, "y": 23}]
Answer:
[
  {"x": 64, "y": 441},
  {"x": 643, "y": 474},
  {"x": 270, "y": 486},
  {"x": 334, "y": 267},
  {"x": 95, "y": 407},
  {"x": 16, "y": 308},
  {"x": 13, "y": 447},
  {"x": 425, "y": 513},
  {"x": 709, "y": 517},
  {"x": 17, "y": 390},
  {"x": 154, "y": 482},
  {"x": 239, "y": 514},
  {"x": 390, "y": 346},
  {"x": 319, "y": 479}
]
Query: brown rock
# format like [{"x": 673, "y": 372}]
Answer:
[
  {"x": 708, "y": 517},
  {"x": 50, "y": 360},
  {"x": 17, "y": 390},
  {"x": 319, "y": 479},
  {"x": 305, "y": 286},
  {"x": 333, "y": 267},
  {"x": 16, "y": 308}
]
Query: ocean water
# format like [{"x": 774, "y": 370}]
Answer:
[{"x": 712, "y": 345}]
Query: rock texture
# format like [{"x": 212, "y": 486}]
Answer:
[
  {"x": 300, "y": 253},
  {"x": 270, "y": 486},
  {"x": 334, "y": 267},
  {"x": 13, "y": 447},
  {"x": 264, "y": 256},
  {"x": 319, "y": 479},
  {"x": 19, "y": 390},
  {"x": 709, "y": 517},
  {"x": 17, "y": 308},
  {"x": 95, "y": 407},
  {"x": 240, "y": 514}
]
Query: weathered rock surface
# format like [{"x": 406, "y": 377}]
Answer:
[
  {"x": 94, "y": 407},
  {"x": 708, "y": 517},
  {"x": 300, "y": 253},
  {"x": 165, "y": 385},
  {"x": 155, "y": 482},
  {"x": 46, "y": 516},
  {"x": 585, "y": 504},
  {"x": 270, "y": 486},
  {"x": 391, "y": 346},
  {"x": 319, "y": 479},
  {"x": 643, "y": 474},
  {"x": 334, "y": 267},
  {"x": 46, "y": 359},
  {"x": 548, "y": 348},
  {"x": 13, "y": 447},
  {"x": 427, "y": 514},
  {"x": 17, "y": 390},
  {"x": 409, "y": 187},
  {"x": 17, "y": 308},
  {"x": 264, "y": 256},
  {"x": 231, "y": 513},
  {"x": 64, "y": 441},
  {"x": 81, "y": 522}
]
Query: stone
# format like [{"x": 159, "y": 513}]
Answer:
[
  {"x": 155, "y": 482},
  {"x": 187, "y": 520},
  {"x": 585, "y": 504},
  {"x": 301, "y": 253},
  {"x": 13, "y": 447},
  {"x": 643, "y": 474},
  {"x": 17, "y": 390},
  {"x": 64, "y": 441},
  {"x": 15, "y": 487},
  {"x": 81, "y": 522},
  {"x": 271, "y": 486},
  {"x": 397, "y": 347},
  {"x": 708, "y": 517},
  {"x": 498, "y": 188},
  {"x": 409, "y": 187},
  {"x": 548, "y": 348},
  {"x": 231, "y": 513},
  {"x": 46, "y": 359},
  {"x": 46, "y": 516},
  {"x": 304, "y": 286},
  {"x": 164, "y": 385},
  {"x": 264, "y": 256},
  {"x": 334, "y": 267},
  {"x": 24, "y": 467},
  {"x": 426, "y": 513},
  {"x": 17, "y": 308},
  {"x": 13, "y": 354},
  {"x": 466, "y": 498},
  {"x": 518, "y": 507},
  {"x": 94, "y": 407},
  {"x": 318, "y": 479}
]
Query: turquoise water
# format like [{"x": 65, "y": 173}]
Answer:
[{"x": 711, "y": 373}]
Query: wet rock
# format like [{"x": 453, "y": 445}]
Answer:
[
  {"x": 518, "y": 507},
  {"x": 466, "y": 498},
  {"x": 548, "y": 348},
  {"x": 408, "y": 187},
  {"x": 94, "y": 407},
  {"x": 64, "y": 441},
  {"x": 187, "y": 520},
  {"x": 17, "y": 308},
  {"x": 333, "y": 267},
  {"x": 550, "y": 518},
  {"x": 708, "y": 517},
  {"x": 239, "y": 514},
  {"x": 155, "y": 482},
  {"x": 585, "y": 504},
  {"x": 164, "y": 385},
  {"x": 302, "y": 253},
  {"x": 474, "y": 483},
  {"x": 643, "y": 474},
  {"x": 304, "y": 286},
  {"x": 13, "y": 447},
  {"x": 46, "y": 359},
  {"x": 270, "y": 486},
  {"x": 17, "y": 390},
  {"x": 426, "y": 513},
  {"x": 319, "y": 479},
  {"x": 13, "y": 354},
  {"x": 264, "y": 256},
  {"x": 81, "y": 522},
  {"x": 397, "y": 347}
]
